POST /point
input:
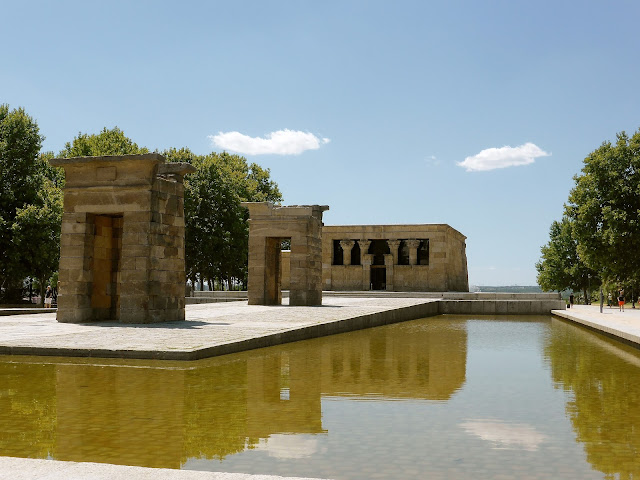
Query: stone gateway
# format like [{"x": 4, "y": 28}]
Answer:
[
  {"x": 269, "y": 225},
  {"x": 122, "y": 241}
]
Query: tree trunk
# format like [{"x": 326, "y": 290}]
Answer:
[{"x": 42, "y": 290}]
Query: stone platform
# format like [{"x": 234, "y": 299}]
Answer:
[
  {"x": 624, "y": 326},
  {"x": 222, "y": 328},
  {"x": 209, "y": 330},
  {"x": 35, "y": 469}
]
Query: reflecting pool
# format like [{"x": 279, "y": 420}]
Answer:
[{"x": 443, "y": 397}]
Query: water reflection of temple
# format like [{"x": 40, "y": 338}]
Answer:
[
  {"x": 604, "y": 377},
  {"x": 161, "y": 414}
]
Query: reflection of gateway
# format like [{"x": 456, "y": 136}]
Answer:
[
  {"x": 428, "y": 258},
  {"x": 159, "y": 414}
]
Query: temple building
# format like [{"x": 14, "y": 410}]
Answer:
[{"x": 410, "y": 258}]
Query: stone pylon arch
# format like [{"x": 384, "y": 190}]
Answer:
[
  {"x": 268, "y": 226},
  {"x": 122, "y": 240}
]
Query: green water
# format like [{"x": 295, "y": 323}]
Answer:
[{"x": 445, "y": 397}]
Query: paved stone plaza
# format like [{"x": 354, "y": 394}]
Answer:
[
  {"x": 622, "y": 325},
  {"x": 34, "y": 469},
  {"x": 209, "y": 330}
]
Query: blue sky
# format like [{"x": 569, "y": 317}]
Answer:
[{"x": 399, "y": 111}]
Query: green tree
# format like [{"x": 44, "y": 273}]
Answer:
[
  {"x": 604, "y": 207},
  {"x": 560, "y": 266},
  {"x": 21, "y": 177},
  {"x": 216, "y": 243},
  {"x": 36, "y": 234},
  {"x": 107, "y": 142}
]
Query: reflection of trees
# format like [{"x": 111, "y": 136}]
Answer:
[
  {"x": 160, "y": 414},
  {"x": 27, "y": 410},
  {"x": 604, "y": 377},
  {"x": 215, "y": 411}
]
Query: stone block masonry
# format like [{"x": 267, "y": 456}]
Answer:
[
  {"x": 400, "y": 258},
  {"x": 268, "y": 226},
  {"x": 122, "y": 242}
]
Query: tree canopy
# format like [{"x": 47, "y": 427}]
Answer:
[
  {"x": 216, "y": 243},
  {"x": 22, "y": 176},
  {"x": 107, "y": 142},
  {"x": 560, "y": 266},
  {"x": 604, "y": 207},
  {"x": 599, "y": 235}
]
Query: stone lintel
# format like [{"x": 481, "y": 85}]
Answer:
[
  {"x": 268, "y": 209},
  {"x": 176, "y": 168},
  {"x": 106, "y": 159}
]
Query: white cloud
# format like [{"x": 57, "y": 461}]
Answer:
[
  {"x": 282, "y": 142},
  {"x": 504, "y": 435},
  {"x": 432, "y": 160},
  {"x": 493, "y": 158},
  {"x": 289, "y": 446}
]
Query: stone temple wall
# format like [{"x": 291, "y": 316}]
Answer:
[
  {"x": 122, "y": 242},
  {"x": 444, "y": 268},
  {"x": 422, "y": 257}
]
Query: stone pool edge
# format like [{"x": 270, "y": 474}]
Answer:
[
  {"x": 422, "y": 309},
  {"x": 599, "y": 325},
  {"x": 41, "y": 469}
]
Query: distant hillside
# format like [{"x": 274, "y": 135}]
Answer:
[{"x": 506, "y": 289}]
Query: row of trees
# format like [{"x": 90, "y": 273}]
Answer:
[
  {"x": 596, "y": 242},
  {"x": 216, "y": 244},
  {"x": 30, "y": 205}
]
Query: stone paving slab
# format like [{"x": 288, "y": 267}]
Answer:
[
  {"x": 34, "y": 469},
  {"x": 210, "y": 329},
  {"x": 623, "y": 325}
]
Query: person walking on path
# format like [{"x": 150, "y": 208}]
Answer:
[
  {"x": 571, "y": 300},
  {"x": 621, "y": 300},
  {"x": 609, "y": 299},
  {"x": 48, "y": 297}
]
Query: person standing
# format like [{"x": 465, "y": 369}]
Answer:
[
  {"x": 48, "y": 297},
  {"x": 621, "y": 299},
  {"x": 609, "y": 299},
  {"x": 571, "y": 300}
]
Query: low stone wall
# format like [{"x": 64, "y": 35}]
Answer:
[
  {"x": 462, "y": 303},
  {"x": 500, "y": 307},
  {"x": 199, "y": 300}
]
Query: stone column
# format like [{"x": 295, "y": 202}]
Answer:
[
  {"x": 364, "y": 249},
  {"x": 389, "y": 260},
  {"x": 413, "y": 245},
  {"x": 346, "y": 245},
  {"x": 393, "y": 246},
  {"x": 366, "y": 259}
]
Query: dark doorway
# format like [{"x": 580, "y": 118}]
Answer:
[
  {"x": 378, "y": 277},
  {"x": 107, "y": 251},
  {"x": 338, "y": 258},
  {"x": 272, "y": 280},
  {"x": 379, "y": 249}
]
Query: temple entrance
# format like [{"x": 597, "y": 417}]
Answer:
[
  {"x": 378, "y": 277},
  {"x": 269, "y": 225},
  {"x": 378, "y": 249},
  {"x": 273, "y": 270},
  {"x": 107, "y": 248}
]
